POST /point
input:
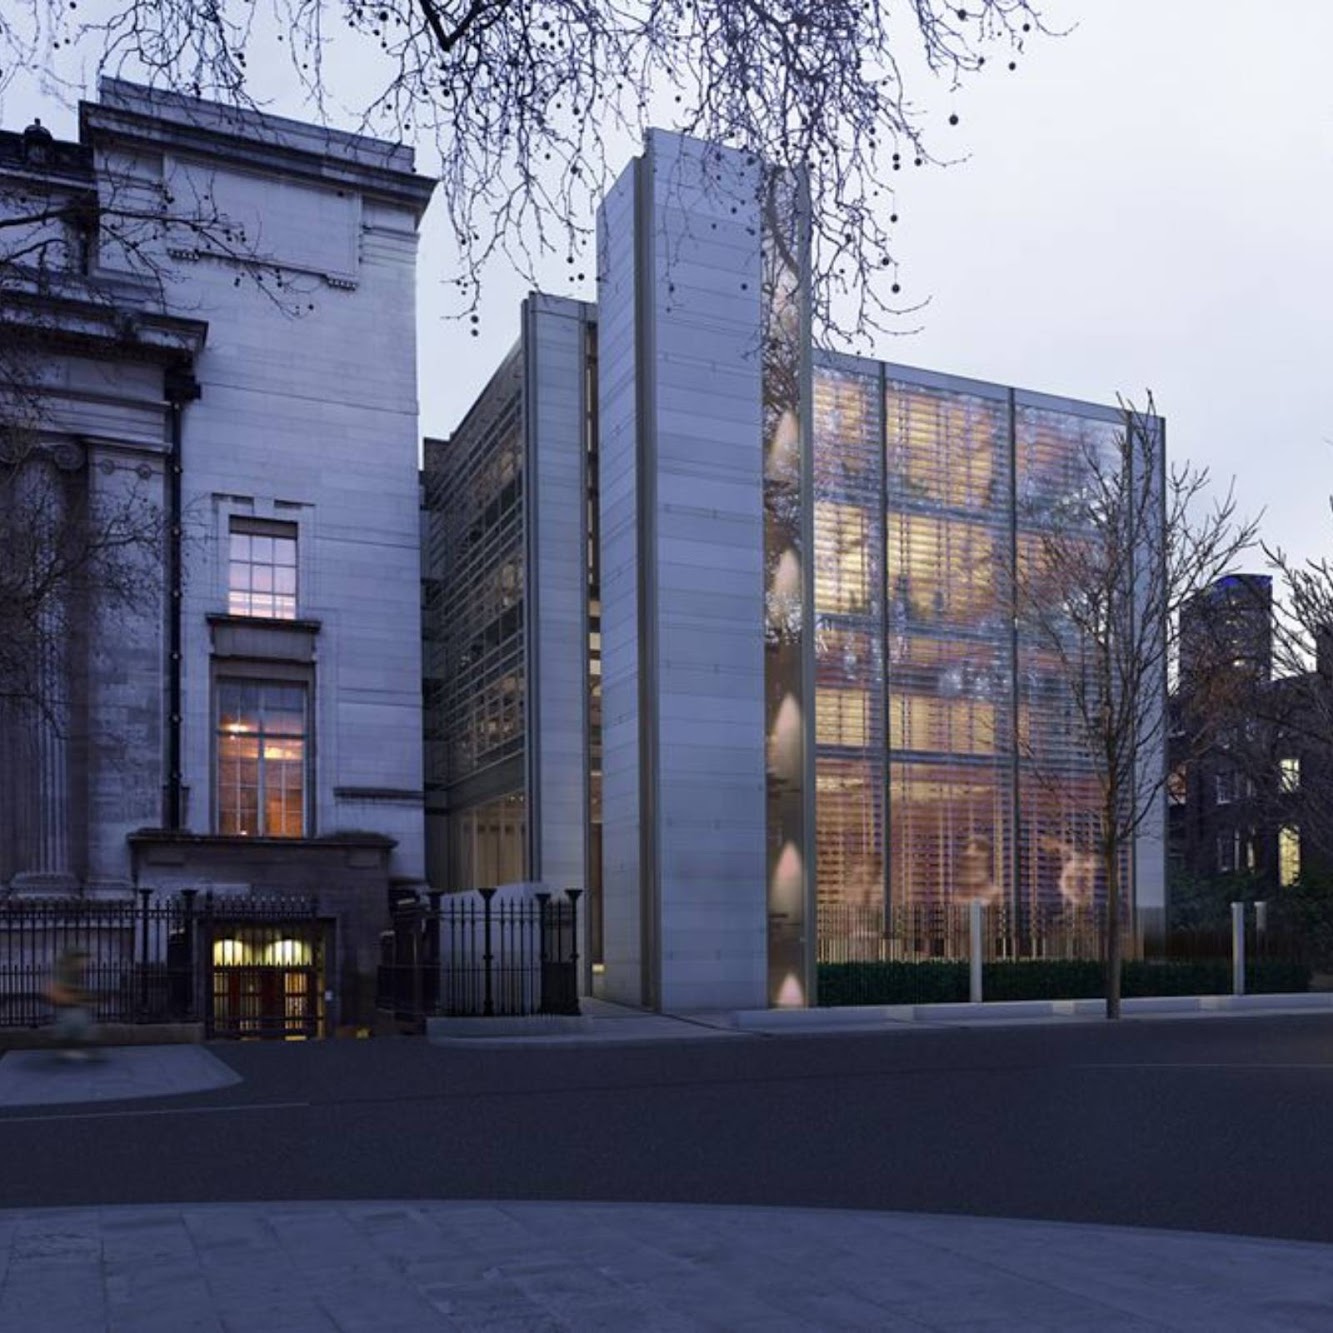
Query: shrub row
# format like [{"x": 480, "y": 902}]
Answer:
[{"x": 946, "y": 983}]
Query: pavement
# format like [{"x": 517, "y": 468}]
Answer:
[
  {"x": 399, "y": 1266},
  {"x": 113, "y": 1073},
  {"x": 603, "y": 1021},
  {"x": 393, "y": 1265}
]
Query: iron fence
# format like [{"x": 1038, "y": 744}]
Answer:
[
  {"x": 240, "y": 966},
  {"x": 469, "y": 955}
]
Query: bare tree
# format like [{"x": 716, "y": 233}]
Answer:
[
  {"x": 62, "y": 550},
  {"x": 522, "y": 100},
  {"x": 81, "y": 252},
  {"x": 1099, "y": 583}
]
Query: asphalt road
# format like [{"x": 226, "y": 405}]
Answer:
[{"x": 1203, "y": 1125}]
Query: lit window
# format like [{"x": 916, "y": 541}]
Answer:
[
  {"x": 261, "y": 759},
  {"x": 1288, "y": 855},
  {"x": 1289, "y": 773},
  {"x": 1177, "y": 786},
  {"x": 842, "y": 718},
  {"x": 261, "y": 569}
]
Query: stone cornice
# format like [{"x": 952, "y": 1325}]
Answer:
[
  {"x": 103, "y": 322},
  {"x": 168, "y": 122}
]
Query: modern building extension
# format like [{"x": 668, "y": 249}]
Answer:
[
  {"x": 719, "y": 625},
  {"x": 221, "y": 318}
]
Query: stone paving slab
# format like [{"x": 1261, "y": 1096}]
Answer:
[
  {"x": 553, "y": 1266},
  {"x": 45, "y": 1078}
]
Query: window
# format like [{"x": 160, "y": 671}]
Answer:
[
  {"x": 1177, "y": 785},
  {"x": 1288, "y": 855},
  {"x": 1228, "y": 852},
  {"x": 261, "y": 569},
  {"x": 262, "y": 756},
  {"x": 1224, "y": 788},
  {"x": 1289, "y": 773}
]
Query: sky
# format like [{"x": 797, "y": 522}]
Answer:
[{"x": 1146, "y": 204}]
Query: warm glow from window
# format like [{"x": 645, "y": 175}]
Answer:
[
  {"x": 1288, "y": 855},
  {"x": 261, "y": 759},
  {"x": 842, "y": 559},
  {"x": 943, "y": 726},
  {"x": 288, "y": 953},
  {"x": 841, "y": 718},
  {"x": 1289, "y": 773},
  {"x": 230, "y": 953}
]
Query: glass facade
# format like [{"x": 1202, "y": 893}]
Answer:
[
  {"x": 850, "y": 755},
  {"x": 487, "y": 843},
  {"x": 475, "y": 687},
  {"x": 947, "y": 766}
]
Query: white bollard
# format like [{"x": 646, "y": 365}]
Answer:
[
  {"x": 974, "y": 977},
  {"x": 1238, "y": 948}
]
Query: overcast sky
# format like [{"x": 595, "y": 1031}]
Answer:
[{"x": 1145, "y": 205}]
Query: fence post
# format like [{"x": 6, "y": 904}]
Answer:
[
  {"x": 574, "y": 895},
  {"x": 187, "y": 986},
  {"x": 416, "y": 934},
  {"x": 1260, "y": 925},
  {"x": 543, "y": 998},
  {"x": 1238, "y": 948},
  {"x": 144, "y": 896},
  {"x": 974, "y": 951},
  {"x": 206, "y": 971},
  {"x": 488, "y": 1000},
  {"x": 433, "y": 960}
]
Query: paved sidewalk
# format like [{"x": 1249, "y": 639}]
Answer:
[
  {"x": 44, "y": 1078},
  {"x": 604, "y": 1021},
  {"x": 529, "y": 1266}
]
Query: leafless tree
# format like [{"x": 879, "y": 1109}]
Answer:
[
  {"x": 82, "y": 253},
  {"x": 1099, "y": 583},
  {"x": 62, "y": 550},
  {"x": 521, "y": 99}
]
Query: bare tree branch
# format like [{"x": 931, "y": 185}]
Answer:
[
  {"x": 1099, "y": 586},
  {"x": 521, "y": 102}
]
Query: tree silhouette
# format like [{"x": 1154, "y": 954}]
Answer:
[{"x": 521, "y": 99}]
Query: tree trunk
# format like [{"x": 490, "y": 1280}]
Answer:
[{"x": 1112, "y": 860}]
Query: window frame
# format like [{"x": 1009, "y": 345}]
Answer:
[
  {"x": 252, "y": 526},
  {"x": 273, "y": 680}
]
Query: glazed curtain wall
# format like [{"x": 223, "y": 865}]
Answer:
[{"x": 946, "y": 767}]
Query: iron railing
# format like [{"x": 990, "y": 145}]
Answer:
[
  {"x": 240, "y": 966},
  {"x": 470, "y": 955}
]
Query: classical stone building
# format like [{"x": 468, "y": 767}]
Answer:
[
  {"x": 213, "y": 325},
  {"x": 717, "y": 623}
]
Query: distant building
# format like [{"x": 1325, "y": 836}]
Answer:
[
  {"x": 1248, "y": 799},
  {"x": 717, "y": 624},
  {"x": 253, "y": 726}
]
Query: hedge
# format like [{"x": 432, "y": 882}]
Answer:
[{"x": 945, "y": 983}]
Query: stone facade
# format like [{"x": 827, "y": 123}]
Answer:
[{"x": 259, "y": 345}]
